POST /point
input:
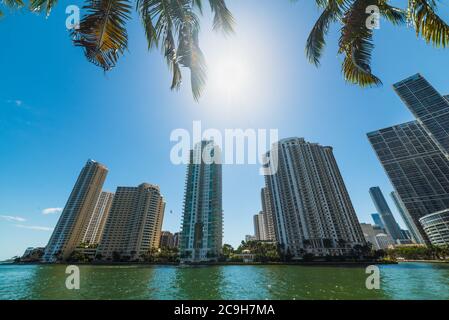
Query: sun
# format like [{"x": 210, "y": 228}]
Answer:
[{"x": 231, "y": 76}]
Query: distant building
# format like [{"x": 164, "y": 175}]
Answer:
[
  {"x": 268, "y": 214},
  {"x": 202, "y": 221},
  {"x": 413, "y": 231},
  {"x": 167, "y": 240},
  {"x": 388, "y": 220},
  {"x": 311, "y": 206},
  {"x": 376, "y": 236},
  {"x": 98, "y": 219},
  {"x": 176, "y": 236},
  {"x": 406, "y": 234},
  {"x": 249, "y": 238},
  {"x": 436, "y": 226},
  {"x": 134, "y": 224},
  {"x": 75, "y": 217},
  {"x": 32, "y": 255},
  {"x": 377, "y": 220},
  {"x": 260, "y": 227}
]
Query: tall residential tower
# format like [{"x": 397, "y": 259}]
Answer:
[
  {"x": 134, "y": 224},
  {"x": 75, "y": 217},
  {"x": 202, "y": 222},
  {"x": 98, "y": 220},
  {"x": 312, "y": 209}
]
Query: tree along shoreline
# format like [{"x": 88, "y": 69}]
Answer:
[{"x": 229, "y": 263}]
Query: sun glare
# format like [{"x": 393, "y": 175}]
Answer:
[{"x": 230, "y": 77}]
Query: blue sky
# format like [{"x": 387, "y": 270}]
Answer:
[{"x": 57, "y": 110}]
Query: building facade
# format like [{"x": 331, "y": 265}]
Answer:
[
  {"x": 260, "y": 227},
  {"x": 202, "y": 221},
  {"x": 388, "y": 220},
  {"x": 312, "y": 209},
  {"x": 377, "y": 220},
  {"x": 98, "y": 219},
  {"x": 436, "y": 226},
  {"x": 167, "y": 240},
  {"x": 133, "y": 227},
  {"x": 415, "y": 236},
  {"x": 376, "y": 236},
  {"x": 75, "y": 217},
  {"x": 268, "y": 214},
  {"x": 428, "y": 106},
  {"x": 416, "y": 167}
]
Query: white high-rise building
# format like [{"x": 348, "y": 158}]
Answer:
[
  {"x": 75, "y": 217},
  {"x": 202, "y": 222},
  {"x": 98, "y": 220},
  {"x": 312, "y": 209}
]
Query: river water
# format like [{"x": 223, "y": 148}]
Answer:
[{"x": 402, "y": 281}]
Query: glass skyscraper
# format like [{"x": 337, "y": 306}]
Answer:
[
  {"x": 377, "y": 220},
  {"x": 414, "y": 232},
  {"x": 385, "y": 213},
  {"x": 429, "y": 107},
  {"x": 202, "y": 222},
  {"x": 417, "y": 168}
]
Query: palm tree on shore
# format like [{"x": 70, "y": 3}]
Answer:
[{"x": 173, "y": 26}]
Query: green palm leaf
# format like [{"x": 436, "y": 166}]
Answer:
[
  {"x": 427, "y": 23},
  {"x": 316, "y": 40},
  {"x": 102, "y": 31},
  {"x": 42, "y": 5},
  {"x": 356, "y": 45},
  {"x": 223, "y": 18},
  {"x": 174, "y": 25}
]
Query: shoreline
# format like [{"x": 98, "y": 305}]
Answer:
[{"x": 308, "y": 263}]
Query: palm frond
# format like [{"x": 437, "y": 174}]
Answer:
[
  {"x": 15, "y": 4},
  {"x": 316, "y": 40},
  {"x": 395, "y": 15},
  {"x": 357, "y": 46},
  {"x": 42, "y": 5},
  {"x": 102, "y": 31},
  {"x": 174, "y": 25},
  {"x": 427, "y": 22},
  {"x": 223, "y": 19},
  {"x": 190, "y": 55}
]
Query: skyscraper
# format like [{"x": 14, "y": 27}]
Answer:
[
  {"x": 268, "y": 214},
  {"x": 414, "y": 231},
  {"x": 75, "y": 217},
  {"x": 429, "y": 107},
  {"x": 260, "y": 224},
  {"x": 202, "y": 221},
  {"x": 98, "y": 219},
  {"x": 391, "y": 226},
  {"x": 377, "y": 220},
  {"x": 312, "y": 209},
  {"x": 417, "y": 168},
  {"x": 134, "y": 224}
]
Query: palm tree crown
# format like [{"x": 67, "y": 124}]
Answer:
[{"x": 173, "y": 26}]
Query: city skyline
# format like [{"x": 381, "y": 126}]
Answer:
[{"x": 75, "y": 122}]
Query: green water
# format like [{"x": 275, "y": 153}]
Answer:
[{"x": 403, "y": 281}]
